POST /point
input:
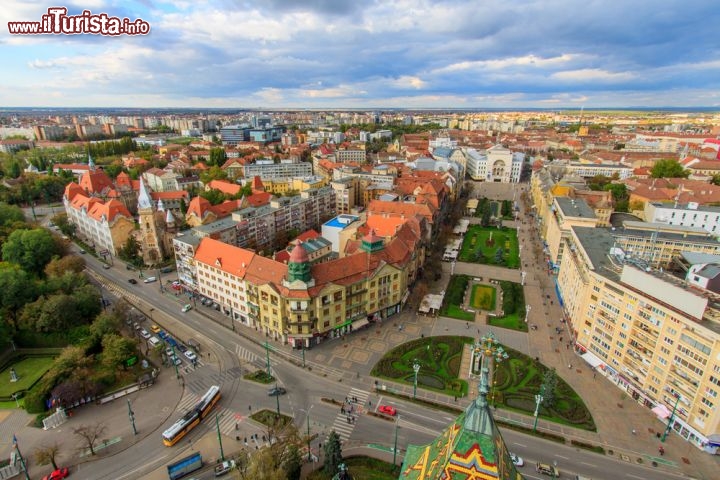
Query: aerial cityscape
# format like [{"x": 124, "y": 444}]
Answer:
[{"x": 327, "y": 240}]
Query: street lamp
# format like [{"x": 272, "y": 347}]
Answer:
[
  {"x": 416, "y": 369},
  {"x": 131, "y": 414},
  {"x": 670, "y": 420},
  {"x": 396, "y": 435},
  {"x": 527, "y": 312},
  {"x": 307, "y": 412},
  {"x": 538, "y": 401}
]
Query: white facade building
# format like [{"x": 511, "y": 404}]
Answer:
[
  {"x": 496, "y": 164},
  {"x": 686, "y": 215}
]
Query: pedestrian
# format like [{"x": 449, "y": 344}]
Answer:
[
  {"x": 467, "y": 325},
  {"x": 342, "y": 409},
  {"x": 594, "y": 375},
  {"x": 661, "y": 450},
  {"x": 633, "y": 431},
  {"x": 567, "y": 347},
  {"x": 369, "y": 403},
  {"x": 561, "y": 338}
]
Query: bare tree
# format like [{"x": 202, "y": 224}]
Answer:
[
  {"x": 47, "y": 454},
  {"x": 90, "y": 434}
]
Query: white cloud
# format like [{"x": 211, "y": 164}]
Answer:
[{"x": 593, "y": 74}]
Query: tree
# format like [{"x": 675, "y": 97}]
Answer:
[
  {"x": 47, "y": 454},
  {"x": 130, "y": 251},
  {"x": 117, "y": 349},
  {"x": 715, "y": 180},
  {"x": 548, "y": 387},
  {"x": 217, "y": 156},
  {"x": 90, "y": 434},
  {"x": 31, "y": 249},
  {"x": 499, "y": 255},
  {"x": 620, "y": 195},
  {"x": 16, "y": 289},
  {"x": 104, "y": 324},
  {"x": 62, "y": 222},
  {"x": 60, "y": 266},
  {"x": 333, "y": 453},
  {"x": 10, "y": 214},
  {"x": 668, "y": 168},
  {"x": 213, "y": 173},
  {"x": 293, "y": 463},
  {"x": 215, "y": 197}
]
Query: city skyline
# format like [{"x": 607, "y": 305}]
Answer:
[{"x": 326, "y": 54}]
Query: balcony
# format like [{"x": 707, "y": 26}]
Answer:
[{"x": 299, "y": 310}]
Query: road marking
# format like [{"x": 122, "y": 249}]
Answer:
[
  {"x": 519, "y": 444},
  {"x": 634, "y": 476},
  {"x": 564, "y": 458},
  {"x": 588, "y": 464}
]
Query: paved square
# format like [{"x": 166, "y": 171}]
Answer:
[
  {"x": 413, "y": 329},
  {"x": 377, "y": 346},
  {"x": 360, "y": 356},
  {"x": 397, "y": 338},
  {"x": 346, "y": 365}
]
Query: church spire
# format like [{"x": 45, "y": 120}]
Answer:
[{"x": 144, "y": 200}]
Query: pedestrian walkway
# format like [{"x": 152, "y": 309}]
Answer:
[
  {"x": 199, "y": 386},
  {"x": 245, "y": 355},
  {"x": 344, "y": 423}
]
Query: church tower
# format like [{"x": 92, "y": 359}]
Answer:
[{"x": 151, "y": 230}]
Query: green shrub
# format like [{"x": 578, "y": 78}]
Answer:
[{"x": 35, "y": 400}]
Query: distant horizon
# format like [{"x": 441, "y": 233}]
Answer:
[{"x": 689, "y": 109}]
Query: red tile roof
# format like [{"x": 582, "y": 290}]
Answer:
[
  {"x": 231, "y": 259},
  {"x": 225, "y": 187}
]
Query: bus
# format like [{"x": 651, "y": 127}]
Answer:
[{"x": 192, "y": 417}]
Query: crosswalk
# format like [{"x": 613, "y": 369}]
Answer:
[
  {"x": 227, "y": 418},
  {"x": 200, "y": 385},
  {"x": 245, "y": 355},
  {"x": 341, "y": 425}
]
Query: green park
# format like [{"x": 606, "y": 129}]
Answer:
[
  {"x": 516, "y": 380},
  {"x": 490, "y": 246}
]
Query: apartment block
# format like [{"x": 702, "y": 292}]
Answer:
[
  {"x": 268, "y": 169},
  {"x": 652, "y": 334},
  {"x": 302, "y": 303},
  {"x": 266, "y": 228},
  {"x": 690, "y": 214}
]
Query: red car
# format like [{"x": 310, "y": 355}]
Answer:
[
  {"x": 58, "y": 474},
  {"x": 387, "y": 410}
]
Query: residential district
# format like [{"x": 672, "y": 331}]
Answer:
[{"x": 310, "y": 230}]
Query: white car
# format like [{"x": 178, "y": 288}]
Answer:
[
  {"x": 190, "y": 355},
  {"x": 517, "y": 461},
  {"x": 145, "y": 334}
]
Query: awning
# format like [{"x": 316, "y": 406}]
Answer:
[
  {"x": 593, "y": 360},
  {"x": 661, "y": 411},
  {"x": 360, "y": 323},
  {"x": 714, "y": 440},
  {"x": 344, "y": 324}
]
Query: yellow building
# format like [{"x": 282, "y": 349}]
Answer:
[
  {"x": 303, "y": 303},
  {"x": 649, "y": 333},
  {"x": 281, "y": 186}
]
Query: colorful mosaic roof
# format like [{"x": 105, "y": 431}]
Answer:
[{"x": 471, "y": 448}]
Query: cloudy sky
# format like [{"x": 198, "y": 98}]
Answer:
[{"x": 373, "y": 53}]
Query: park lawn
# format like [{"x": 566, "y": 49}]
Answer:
[
  {"x": 512, "y": 322},
  {"x": 454, "y": 311},
  {"x": 483, "y": 297},
  {"x": 502, "y": 237},
  {"x": 439, "y": 358},
  {"x": 28, "y": 370}
]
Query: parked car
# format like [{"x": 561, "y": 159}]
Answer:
[
  {"x": 275, "y": 391},
  {"x": 106, "y": 266},
  {"x": 187, "y": 308},
  {"x": 132, "y": 280},
  {"x": 224, "y": 467},
  {"x": 145, "y": 334},
  {"x": 166, "y": 269},
  {"x": 154, "y": 328},
  {"x": 177, "y": 361},
  {"x": 517, "y": 461},
  {"x": 181, "y": 347},
  {"x": 387, "y": 410},
  {"x": 546, "y": 469},
  {"x": 171, "y": 341},
  {"x": 190, "y": 355},
  {"x": 129, "y": 267},
  {"x": 163, "y": 334},
  {"x": 58, "y": 474},
  {"x": 150, "y": 280},
  {"x": 170, "y": 352}
]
